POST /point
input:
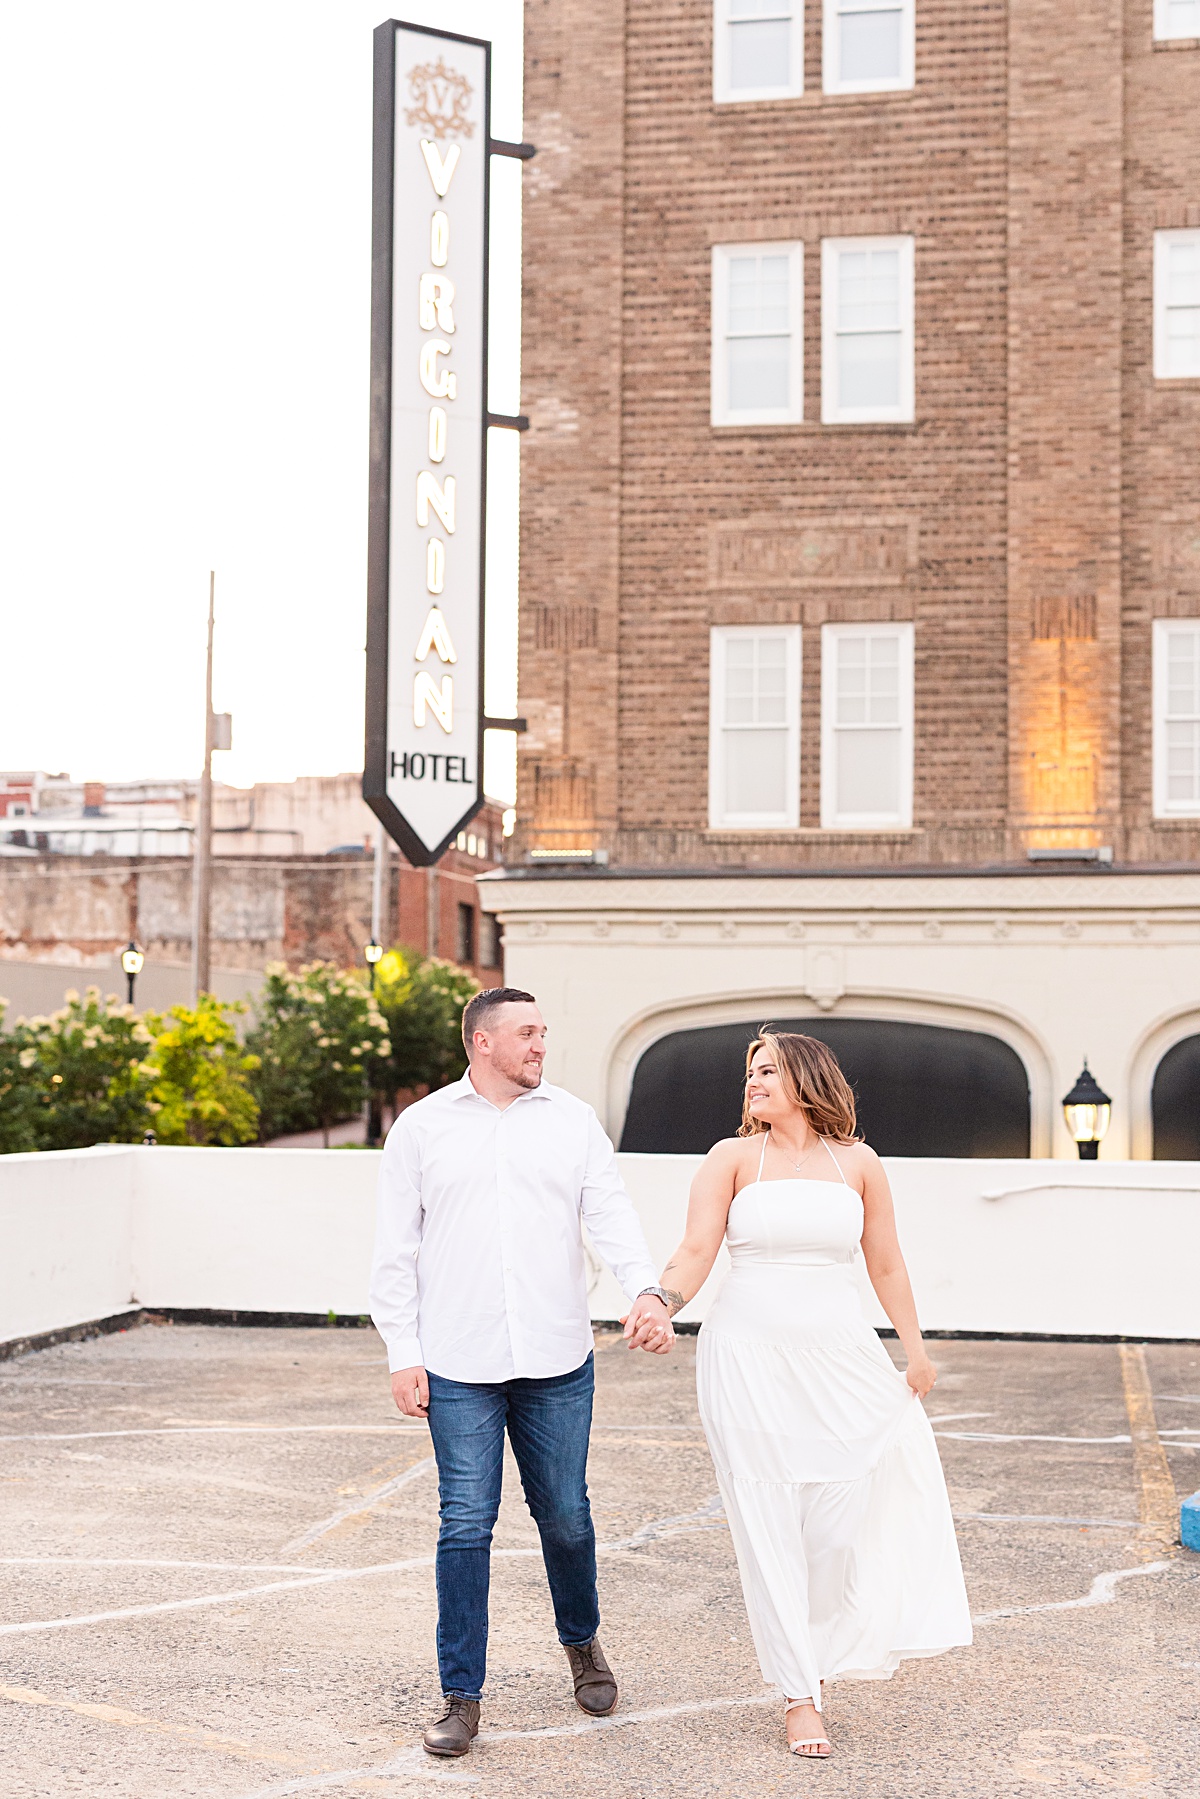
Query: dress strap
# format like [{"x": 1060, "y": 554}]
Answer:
[
  {"x": 762, "y": 1158},
  {"x": 837, "y": 1165}
]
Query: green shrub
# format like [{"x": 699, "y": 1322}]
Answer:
[
  {"x": 315, "y": 1034},
  {"x": 422, "y": 999},
  {"x": 85, "y": 1074},
  {"x": 201, "y": 1091},
  {"x": 18, "y": 1095}
]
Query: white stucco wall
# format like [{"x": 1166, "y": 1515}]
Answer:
[
  {"x": 1058, "y": 965},
  {"x": 1053, "y": 1247},
  {"x": 66, "y": 1224},
  {"x": 256, "y": 1230}
]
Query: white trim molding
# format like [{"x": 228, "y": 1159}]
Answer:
[
  {"x": 754, "y": 716},
  {"x": 1175, "y": 19},
  {"x": 656, "y": 1022},
  {"x": 1177, "y": 305},
  {"x": 882, "y": 710},
  {"x": 745, "y": 31},
  {"x": 1175, "y": 691},
  {"x": 1161, "y": 1036},
  {"x": 867, "y": 332},
  {"x": 888, "y": 65},
  {"x": 768, "y": 311}
]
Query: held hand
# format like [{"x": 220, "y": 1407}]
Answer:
[
  {"x": 920, "y": 1374},
  {"x": 648, "y": 1325},
  {"x": 410, "y": 1390}
]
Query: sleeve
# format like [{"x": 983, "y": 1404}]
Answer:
[
  {"x": 397, "y": 1240},
  {"x": 613, "y": 1225}
]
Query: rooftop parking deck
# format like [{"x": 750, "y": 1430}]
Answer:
[{"x": 217, "y": 1579}]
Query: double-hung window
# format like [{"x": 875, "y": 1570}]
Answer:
[
  {"x": 758, "y": 49},
  {"x": 754, "y": 727},
  {"x": 1176, "y": 18},
  {"x": 1176, "y": 718},
  {"x": 758, "y": 335},
  {"x": 1176, "y": 304},
  {"x": 866, "y": 330},
  {"x": 866, "y": 727},
  {"x": 868, "y": 46}
]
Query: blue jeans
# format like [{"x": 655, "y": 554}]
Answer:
[{"x": 548, "y": 1424}]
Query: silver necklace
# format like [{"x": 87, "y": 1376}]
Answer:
[{"x": 804, "y": 1158}]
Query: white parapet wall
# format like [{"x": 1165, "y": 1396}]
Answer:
[{"x": 1060, "y": 1248}]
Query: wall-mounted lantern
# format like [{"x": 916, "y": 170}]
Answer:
[{"x": 1087, "y": 1109}]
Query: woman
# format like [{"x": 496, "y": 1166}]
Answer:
[{"x": 826, "y": 1461}]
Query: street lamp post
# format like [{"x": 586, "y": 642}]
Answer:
[
  {"x": 373, "y": 952},
  {"x": 1087, "y": 1109},
  {"x": 131, "y": 961}
]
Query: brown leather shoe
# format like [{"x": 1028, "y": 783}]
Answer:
[
  {"x": 452, "y": 1734},
  {"x": 595, "y": 1683}
]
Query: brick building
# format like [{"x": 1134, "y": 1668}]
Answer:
[{"x": 861, "y": 536}]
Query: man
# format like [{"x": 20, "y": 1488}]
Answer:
[{"x": 480, "y": 1292}]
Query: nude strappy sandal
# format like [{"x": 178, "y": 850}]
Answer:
[{"x": 817, "y": 1743}]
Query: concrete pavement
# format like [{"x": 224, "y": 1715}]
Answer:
[{"x": 217, "y": 1580}]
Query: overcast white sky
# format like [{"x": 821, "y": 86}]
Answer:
[{"x": 184, "y": 342}]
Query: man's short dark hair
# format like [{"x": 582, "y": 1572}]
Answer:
[{"x": 479, "y": 1009}]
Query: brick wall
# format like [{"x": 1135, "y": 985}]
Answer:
[
  {"x": 78, "y": 911},
  {"x": 1031, "y": 521}
]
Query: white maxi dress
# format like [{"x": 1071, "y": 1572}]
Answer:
[{"x": 826, "y": 1462}]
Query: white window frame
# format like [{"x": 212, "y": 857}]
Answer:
[
  {"x": 832, "y": 412},
  {"x": 723, "y": 94},
  {"x": 1162, "y": 631},
  {"x": 1162, "y": 26},
  {"x": 830, "y": 40},
  {"x": 722, "y": 412},
  {"x": 831, "y": 818},
  {"x": 718, "y": 818},
  {"x": 1162, "y": 252}
]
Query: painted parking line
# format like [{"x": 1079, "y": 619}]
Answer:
[
  {"x": 1103, "y": 1591},
  {"x": 190, "y": 1734},
  {"x": 201, "y": 1601},
  {"x": 413, "y": 1762},
  {"x": 143, "y": 1561},
  {"x": 1052, "y": 1518},
  {"x": 674, "y": 1526},
  {"x": 988, "y": 1436},
  {"x": 218, "y": 1430},
  {"x": 1158, "y": 1506},
  {"x": 361, "y": 1506}
]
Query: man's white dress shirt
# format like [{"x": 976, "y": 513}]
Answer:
[{"x": 479, "y": 1266}]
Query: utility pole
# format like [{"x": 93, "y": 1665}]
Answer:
[
  {"x": 378, "y": 880},
  {"x": 202, "y": 843}
]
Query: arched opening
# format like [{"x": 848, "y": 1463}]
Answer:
[
  {"x": 1175, "y": 1104},
  {"x": 921, "y": 1089}
]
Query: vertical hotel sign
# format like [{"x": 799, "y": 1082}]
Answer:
[{"x": 424, "y": 753}]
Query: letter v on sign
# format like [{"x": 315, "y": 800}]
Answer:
[{"x": 441, "y": 170}]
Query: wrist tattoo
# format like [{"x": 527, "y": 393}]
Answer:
[{"x": 674, "y": 1300}]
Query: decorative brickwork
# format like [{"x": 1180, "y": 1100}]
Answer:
[{"x": 1041, "y": 510}]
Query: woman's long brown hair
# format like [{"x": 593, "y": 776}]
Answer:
[{"x": 812, "y": 1079}]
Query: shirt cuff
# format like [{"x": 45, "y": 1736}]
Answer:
[
  {"x": 639, "y": 1283},
  {"x": 404, "y": 1352}
]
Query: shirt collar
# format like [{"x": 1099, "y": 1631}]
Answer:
[{"x": 465, "y": 1089}]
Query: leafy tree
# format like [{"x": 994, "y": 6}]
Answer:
[
  {"x": 18, "y": 1095},
  {"x": 201, "y": 1091},
  {"x": 422, "y": 999},
  {"x": 85, "y": 1066},
  {"x": 316, "y": 1033}
]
